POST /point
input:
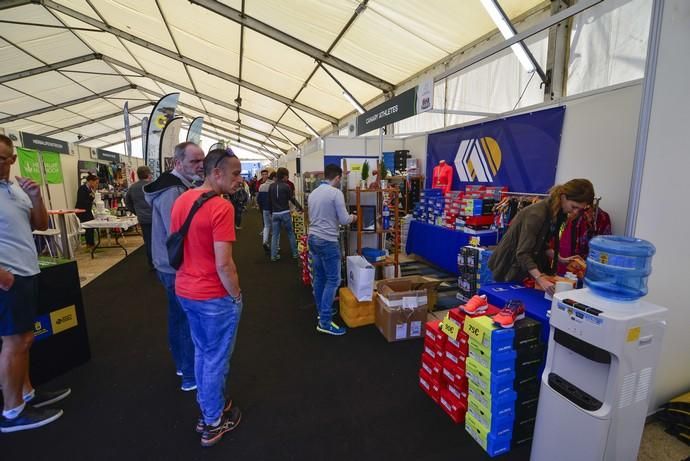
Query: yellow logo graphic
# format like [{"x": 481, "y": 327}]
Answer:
[
  {"x": 63, "y": 319},
  {"x": 161, "y": 121},
  {"x": 478, "y": 159},
  {"x": 39, "y": 329}
]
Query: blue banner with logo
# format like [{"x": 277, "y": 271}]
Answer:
[{"x": 520, "y": 152}]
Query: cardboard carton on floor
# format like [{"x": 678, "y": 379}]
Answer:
[
  {"x": 401, "y": 306},
  {"x": 355, "y": 313}
]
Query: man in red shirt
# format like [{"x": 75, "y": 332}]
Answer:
[{"x": 208, "y": 289}]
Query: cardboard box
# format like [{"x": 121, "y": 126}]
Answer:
[
  {"x": 401, "y": 306},
  {"x": 355, "y": 313}
]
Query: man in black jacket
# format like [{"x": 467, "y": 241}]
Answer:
[
  {"x": 279, "y": 197},
  {"x": 85, "y": 197}
]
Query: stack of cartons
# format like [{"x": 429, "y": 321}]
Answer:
[{"x": 473, "y": 266}]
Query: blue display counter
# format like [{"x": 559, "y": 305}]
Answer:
[
  {"x": 536, "y": 306},
  {"x": 440, "y": 246}
]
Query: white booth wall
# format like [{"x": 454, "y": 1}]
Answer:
[{"x": 663, "y": 213}]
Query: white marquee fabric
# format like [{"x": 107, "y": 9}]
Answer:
[{"x": 244, "y": 81}]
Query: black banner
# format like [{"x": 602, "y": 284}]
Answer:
[
  {"x": 399, "y": 108},
  {"x": 44, "y": 143},
  {"x": 108, "y": 156}
]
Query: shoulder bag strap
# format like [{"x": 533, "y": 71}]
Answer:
[{"x": 206, "y": 196}]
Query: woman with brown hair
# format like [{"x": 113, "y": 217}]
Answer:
[{"x": 524, "y": 249}]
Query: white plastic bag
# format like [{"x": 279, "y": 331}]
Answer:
[{"x": 360, "y": 278}]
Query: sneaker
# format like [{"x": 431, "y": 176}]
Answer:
[
  {"x": 331, "y": 329},
  {"x": 476, "y": 305},
  {"x": 178, "y": 372},
  {"x": 212, "y": 434},
  {"x": 277, "y": 258},
  {"x": 267, "y": 248},
  {"x": 238, "y": 227},
  {"x": 29, "y": 418},
  {"x": 514, "y": 310},
  {"x": 200, "y": 422},
  {"x": 43, "y": 398},
  {"x": 295, "y": 256},
  {"x": 188, "y": 386}
]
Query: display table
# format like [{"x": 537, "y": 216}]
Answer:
[
  {"x": 112, "y": 223},
  {"x": 536, "y": 306},
  {"x": 61, "y": 339},
  {"x": 440, "y": 246},
  {"x": 62, "y": 226}
]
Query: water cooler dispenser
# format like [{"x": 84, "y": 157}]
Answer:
[{"x": 599, "y": 372}]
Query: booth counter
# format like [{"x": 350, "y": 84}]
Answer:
[{"x": 61, "y": 338}]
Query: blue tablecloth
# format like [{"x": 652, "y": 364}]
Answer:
[
  {"x": 440, "y": 246},
  {"x": 536, "y": 306}
]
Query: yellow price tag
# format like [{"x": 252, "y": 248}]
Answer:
[
  {"x": 474, "y": 241},
  {"x": 450, "y": 328},
  {"x": 474, "y": 332}
]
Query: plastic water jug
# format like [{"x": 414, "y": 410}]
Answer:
[{"x": 618, "y": 267}]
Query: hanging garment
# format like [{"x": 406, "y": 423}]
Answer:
[
  {"x": 577, "y": 233},
  {"x": 442, "y": 177}
]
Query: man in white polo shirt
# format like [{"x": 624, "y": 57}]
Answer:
[{"x": 21, "y": 211}]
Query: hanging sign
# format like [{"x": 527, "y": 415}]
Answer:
[
  {"x": 108, "y": 156},
  {"x": 162, "y": 113},
  {"x": 44, "y": 143},
  {"x": 519, "y": 152},
  {"x": 52, "y": 167},
  {"x": 407, "y": 104},
  {"x": 29, "y": 164},
  {"x": 194, "y": 132}
]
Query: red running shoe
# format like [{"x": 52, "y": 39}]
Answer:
[
  {"x": 476, "y": 305},
  {"x": 514, "y": 310}
]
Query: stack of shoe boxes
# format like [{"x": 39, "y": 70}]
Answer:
[
  {"x": 529, "y": 363},
  {"x": 490, "y": 373},
  {"x": 298, "y": 224},
  {"x": 304, "y": 260},
  {"x": 503, "y": 367},
  {"x": 400, "y": 161},
  {"x": 443, "y": 371},
  {"x": 473, "y": 267}
]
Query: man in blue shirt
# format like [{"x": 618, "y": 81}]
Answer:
[
  {"x": 327, "y": 212},
  {"x": 21, "y": 211}
]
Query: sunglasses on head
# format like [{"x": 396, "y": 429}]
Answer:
[{"x": 228, "y": 154}]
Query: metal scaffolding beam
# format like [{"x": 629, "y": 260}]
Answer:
[
  {"x": 103, "y": 135},
  {"x": 292, "y": 42},
  {"x": 203, "y": 96},
  {"x": 92, "y": 121},
  {"x": 7, "y": 4},
  {"x": 183, "y": 59},
  {"x": 49, "y": 67},
  {"x": 67, "y": 104}
]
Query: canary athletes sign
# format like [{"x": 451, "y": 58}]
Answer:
[{"x": 63, "y": 319}]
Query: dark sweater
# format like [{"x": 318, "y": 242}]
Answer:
[{"x": 279, "y": 197}]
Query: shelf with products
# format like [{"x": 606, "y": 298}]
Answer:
[{"x": 382, "y": 219}]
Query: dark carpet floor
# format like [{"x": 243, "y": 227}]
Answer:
[{"x": 305, "y": 396}]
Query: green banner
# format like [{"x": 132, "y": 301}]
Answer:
[
  {"x": 53, "y": 168},
  {"x": 28, "y": 164}
]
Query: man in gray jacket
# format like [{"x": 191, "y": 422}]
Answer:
[
  {"x": 161, "y": 194},
  {"x": 137, "y": 204}
]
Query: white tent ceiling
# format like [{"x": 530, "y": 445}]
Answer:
[{"x": 261, "y": 74}]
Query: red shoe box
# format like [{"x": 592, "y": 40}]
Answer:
[
  {"x": 462, "y": 343},
  {"x": 429, "y": 385},
  {"x": 460, "y": 392},
  {"x": 433, "y": 333},
  {"x": 452, "y": 406},
  {"x": 452, "y": 374},
  {"x": 432, "y": 367},
  {"x": 433, "y": 350},
  {"x": 455, "y": 356}
]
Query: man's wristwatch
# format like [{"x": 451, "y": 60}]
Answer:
[{"x": 237, "y": 298}]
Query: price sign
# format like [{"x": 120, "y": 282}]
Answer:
[
  {"x": 450, "y": 328},
  {"x": 474, "y": 333},
  {"x": 474, "y": 241}
]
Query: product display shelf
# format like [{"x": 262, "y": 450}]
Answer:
[{"x": 394, "y": 230}]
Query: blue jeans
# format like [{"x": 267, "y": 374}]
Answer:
[
  {"x": 326, "y": 257},
  {"x": 213, "y": 323},
  {"x": 179, "y": 337},
  {"x": 283, "y": 220},
  {"x": 267, "y": 225}
]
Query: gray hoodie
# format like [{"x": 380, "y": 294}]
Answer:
[{"x": 161, "y": 194}]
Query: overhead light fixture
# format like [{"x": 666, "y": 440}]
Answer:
[
  {"x": 506, "y": 29},
  {"x": 313, "y": 131},
  {"x": 354, "y": 103}
]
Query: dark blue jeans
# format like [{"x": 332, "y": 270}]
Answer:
[
  {"x": 179, "y": 336},
  {"x": 213, "y": 324},
  {"x": 326, "y": 257},
  {"x": 283, "y": 220}
]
